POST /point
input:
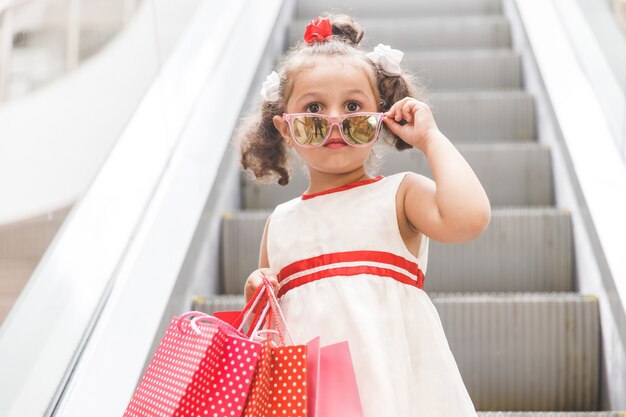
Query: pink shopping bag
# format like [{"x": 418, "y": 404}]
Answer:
[
  {"x": 202, "y": 367},
  {"x": 331, "y": 381}
]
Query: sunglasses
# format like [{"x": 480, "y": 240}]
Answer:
[{"x": 311, "y": 129}]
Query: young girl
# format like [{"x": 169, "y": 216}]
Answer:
[{"x": 348, "y": 257}]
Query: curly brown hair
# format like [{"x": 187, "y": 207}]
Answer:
[{"x": 263, "y": 151}]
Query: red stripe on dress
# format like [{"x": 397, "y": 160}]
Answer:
[
  {"x": 349, "y": 271},
  {"x": 352, "y": 256},
  {"x": 420, "y": 278},
  {"x": 343, "y": 187}
]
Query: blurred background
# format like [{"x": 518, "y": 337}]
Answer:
[{"x": 122, "y": 203}]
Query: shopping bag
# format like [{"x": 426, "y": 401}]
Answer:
[
  {"x": 202, "y": 367},
  {"x": 279, "y": 387},
  {"x": 331, "y": 382},
  {"x": 330, "y": 390},
  {"x": 240, "y": 319}
]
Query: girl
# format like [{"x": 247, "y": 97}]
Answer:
[{"x": 348, "y": 257}]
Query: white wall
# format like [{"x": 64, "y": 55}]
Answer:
[{"x": 54, "y": 140}]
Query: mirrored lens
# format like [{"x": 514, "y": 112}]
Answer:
[
  {"x": 360, "y": 130},
  {"x": 310, "y": 130}
]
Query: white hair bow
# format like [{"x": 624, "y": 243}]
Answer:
[
  {"x": 386, "y": 58},
  {"x": 269, "y": 90}
]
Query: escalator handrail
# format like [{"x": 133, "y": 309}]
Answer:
[{"x": 113, "y": 252}]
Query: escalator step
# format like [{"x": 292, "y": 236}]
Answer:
[
  {"x": 427, "y": 33},
  {"x": 552, "y": 414},
  {"x": 495, "y": 69},
  {"x": 310, "y": 9},
  {"x": 523, "y": 249},
  {"x": 515, "y": 351},
  {"x": 485, "y": 116},
  {"x": 512, "y": 174}
]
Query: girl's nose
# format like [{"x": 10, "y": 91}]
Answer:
[
  {"x": 337, "y": 126},
  {"x": 335, "y": 120}
]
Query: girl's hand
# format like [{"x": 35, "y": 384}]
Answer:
[
  {"x": 255, "y": 280},
  {"x": 419, "y": 126}
]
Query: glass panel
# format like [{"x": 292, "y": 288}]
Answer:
[
  {"x": 605, "y": 20},
  {"x": 43, "y": 39},
  {"x": 59, "y": 245},
  {"x": 606, "y": 70},
  {"x": 48, "y": 158}
]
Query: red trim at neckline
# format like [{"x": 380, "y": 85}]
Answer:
[{"x": 343, "y": 187}]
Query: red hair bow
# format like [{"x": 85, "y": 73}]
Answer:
[{"x": 319, "y": 30}]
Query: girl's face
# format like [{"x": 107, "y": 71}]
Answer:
[{"x": 332, "y": 86}]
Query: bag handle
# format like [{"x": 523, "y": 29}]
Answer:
[
  {"x": 186, "y": 315},
  {"x": 252, "y": 303},
  {"x": 263, "y": 335},
  {"x": 257, "y": 298},
  {"x": 276, "y": 314},
  {"x": 198, "y": 316}
]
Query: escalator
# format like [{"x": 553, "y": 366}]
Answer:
[
  {"x": 170, "y": 223},
  {"x": 524, "y": 338}
]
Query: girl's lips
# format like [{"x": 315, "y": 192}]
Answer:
[{"x": 335, "y": 144}]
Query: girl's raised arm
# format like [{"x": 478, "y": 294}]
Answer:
[{"x": 454, "y": 208}]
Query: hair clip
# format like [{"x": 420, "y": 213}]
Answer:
[
  {"x": 270, "y": 90},
  {"x": 387, "y": 59},
  {"x": 318, "y": 30}
]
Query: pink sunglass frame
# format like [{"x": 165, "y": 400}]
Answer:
[{"x": 288, "y": 117}]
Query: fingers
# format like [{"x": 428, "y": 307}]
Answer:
[
  {"x": 404, "y": 109},
  {"x": 395, "y": 128},
  {"x": 255, "y": 280},
  {"x": 274, "y": 281}
]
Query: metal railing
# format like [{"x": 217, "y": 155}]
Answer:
[
  {"x": 590, "y": 176},
  {"x": 127, "y": 239}
]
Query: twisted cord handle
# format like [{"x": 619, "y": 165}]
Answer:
[
  {"x": 250, "y": 307},
  {"x": 198, "y": 316},
  {"x": 277, "y": 312}
]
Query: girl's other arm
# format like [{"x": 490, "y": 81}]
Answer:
[
  {"x": 263, "y": 260},
  {"x": 256, "y": 277}
]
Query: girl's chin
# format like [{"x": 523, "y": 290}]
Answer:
[{"x": 337, "y": 167}]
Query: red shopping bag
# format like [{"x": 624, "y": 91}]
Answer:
[
  {"x": 330, "y": 390},
  {"x": 279, "y": 385},
  {"x": 199, "y": 369},
  {"x": 331, "y": 383}
]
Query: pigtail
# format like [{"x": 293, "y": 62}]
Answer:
[
  {"x": 262, "y": 149},
  {"x": 393, "y": 88}
]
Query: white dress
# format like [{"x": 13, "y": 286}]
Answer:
[{"x": 346, "y": 274}]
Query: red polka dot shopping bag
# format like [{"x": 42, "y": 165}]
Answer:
[
  {"x": 279, "y": 386},
  {"x": 203, "y": 367}
]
